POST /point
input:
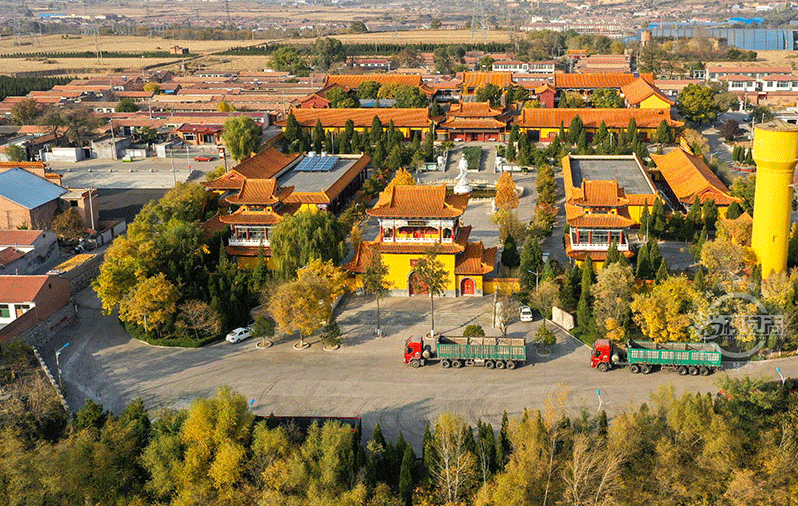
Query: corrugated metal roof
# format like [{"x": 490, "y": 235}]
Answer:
[{"x": 28, "y": 190}]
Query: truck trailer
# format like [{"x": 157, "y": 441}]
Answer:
[
  {"x": 644, "y": 356},
  {"x": 455, "y": 352}
]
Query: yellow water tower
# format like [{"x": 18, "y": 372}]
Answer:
[{"x": 775, "y": 154}]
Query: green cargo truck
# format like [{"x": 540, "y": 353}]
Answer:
[
  {"x": 455, "y": 352},
  {"x": 644, "y": 356}
]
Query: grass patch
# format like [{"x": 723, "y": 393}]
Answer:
[{"x": 172, "y": 341}]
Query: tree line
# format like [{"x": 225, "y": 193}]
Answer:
[
  {"x": 21, "y": 86},
  {"x": 736, "y": 448}
]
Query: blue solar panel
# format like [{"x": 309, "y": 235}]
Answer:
[{"x": 317, "y": 164}]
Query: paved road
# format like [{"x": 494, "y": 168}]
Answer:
[{"x": 365, "y": 378}]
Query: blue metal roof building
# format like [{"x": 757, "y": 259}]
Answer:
[
  {"x": 753, "y": 39},
  {"x": 28, "y": 190}
]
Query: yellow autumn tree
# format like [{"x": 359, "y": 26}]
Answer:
[
  {"x": 506, "y": 197},
  {"x": 402, "y": 178},
  {"x": 150, "y": 304},
  {"x": 669, "y": 311},
  {"x": 725, "y": 259}
]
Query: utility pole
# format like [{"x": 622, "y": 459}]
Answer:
[
  {"x": 91, "y": 207},
  {"x": 478, "y": 18},
  {"x": 58, "y": 364}
]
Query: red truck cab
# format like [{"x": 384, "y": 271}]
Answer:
[
  {"x": 412, "y": 350},
  {"x": 601, "y": 355}
]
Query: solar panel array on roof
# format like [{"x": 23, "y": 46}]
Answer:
[{"x": 317, "y": 164}]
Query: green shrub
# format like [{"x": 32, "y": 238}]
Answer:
[
  {"x": 473, "y": 155},
  {"x": 176, "y": 341},
  {"x": 331, "y": 335},
  {"x": 545, "y": 336},
  {"x": 474, "y": 330}
]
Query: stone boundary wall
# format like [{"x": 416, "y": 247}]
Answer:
[
  {"x": 42, "y": 333},
  {"x": 52, "y": 380}
]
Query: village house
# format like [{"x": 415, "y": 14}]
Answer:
[{"x": 28, "y": 300}]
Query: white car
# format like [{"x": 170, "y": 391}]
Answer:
[
  {"x": 238, "y": 334},
  {"x": 526, "y": 314}
]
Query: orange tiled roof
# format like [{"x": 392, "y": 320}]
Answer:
[
  {"x": 578, "y": 217},
  {"x": 8, "y": 255},
  {"x": 362, "y": 118},
  {"x": 21, "y": 288},
  {"x": 603, "y": 80},
  {"x": 543, "y": 88},
  {"x": 19, "y": 237},
  {"x": 215, "y": 224},
  {"x": 419, "y": 202},
  {"x": 263, "y": 165},
  {"x": 592, "y": 118},
  {"x": 599, "y": 194},
  {"x": 689, "y": 177},
  {"x": 261, "y": 192},
  {"x": 473, "y": 124},
  {"x": 241, "y": 217},
  {"x": 352, "y": 81},
  {"x": 639, "y": 90},
  {"x": 474, "y": 110},
  {"x": 477, "y": 79},
  {"x": 475, "y": 259}
]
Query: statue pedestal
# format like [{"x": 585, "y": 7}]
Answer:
[{"x": 461, "y": 188}]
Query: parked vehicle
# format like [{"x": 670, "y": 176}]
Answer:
[
  {"x": 203, "y": 158},
  {"x": 526, "y": 314},
  {"x": 238, "y": 334},
  {"x": 455, "y": 352},
  {"x": 645, "y": 356}
]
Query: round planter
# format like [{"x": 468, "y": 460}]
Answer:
[
  {"x": 262, "y": 345},
  {"x": 543, "y": 352},
  {"x": 303, "y": 346},
  {"x": 331, "y": 348}
]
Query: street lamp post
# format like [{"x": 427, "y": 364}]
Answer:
[
  {"x": 58, "y": 364},
  {"x": 537, "y": 277},
  {"x": 91, "y": 207}
]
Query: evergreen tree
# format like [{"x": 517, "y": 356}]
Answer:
[
  {"x": 734, "y": 211},
  {"x": 318, "y": 137},
  {"x": 645, "y": 218},
  {"x": 662, "y": 272},
  {"x": 581, "y": 144},
  {"x": 503, "y": 446},
  {"x": 292, "y": 129},
  {"x": 749, "y": 157},
  {"x": 575, "y": 130},
  {"x": 583, "y": 313},
  {"x": 328, "y": 143},
  {"x": 567, "y": 290},
  {"x": 531, "y": 262},
  {"x": 654, "y": 256},
  {"x": 428, "y": 454},
  {"x": 658, "y": 218},
  {"x": 710, "y": 211},
  {"x": 435, "y": 109},
  {"x": 664, "y": 133},
  {"x": 486, "y": 447},
  {"x": 548, "y": 271},
  {"x": 509, "y": 154},
  {"x": 406, "y": 483},
  {"x": 601, "y": 135},
  {"x": 631, "y": 136},
  {"x": 428, "y": 147},
  {"x": 522, "y": 155},
  {"x": 375, "y": 133},
  {"x": 515, "y": 132},
  {"x": 510, "y": 257},
  {"x": 612, "y": 254},
  {"x": 693, "y": 217},
  {"x": 588, "y": 276},
  {"x": 562, "y": 134},
  {"x": 643, "y": 266},
  {"x": 698, "y": 279}
]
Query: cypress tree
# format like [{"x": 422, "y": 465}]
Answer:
[
  {"x": 612, "y": 254},
  {"x": 318, "y": 137},
  {"x": 601, "y": 135},
  {"x": 698, "y": 279},
  {"x": 588, "y": 276},
  {"x": 658, "y": 218},
  {"x": 734, "y": 211},
  {"x": 662, "y": 272},
  {"x": 645, "y": 218},
  {"x": 710, "y": 211},
  {"x": 328, "y": 143},
  {"x": 575, "y": 129},
  {"x": 583, "y": 312},
  {"x": 561, "y": 134},
  {"x": 693, "y": 217},
  {"x": 510, "y": 257},
  {"x": 654, "y": 256},
  {"x": 376, "y": 133},
  {"x": 581, "y": 144},
  {"x": 643, "y": 266},
  {"x": 428, "y": 456},
  {"x": 567, "y": 290},
  {"x": 509, "y": 154},
  {"x": 749, "y": 157},
  {"x": 406, "y": 475},
  {"x": 548, "y": 271},
  {"x": 503, "y": 447}
]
